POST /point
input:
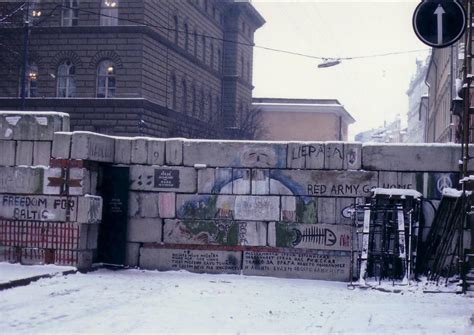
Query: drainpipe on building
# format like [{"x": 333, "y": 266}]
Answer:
[{"x": 340, "y": 128}]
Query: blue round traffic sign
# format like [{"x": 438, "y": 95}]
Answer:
[{"x": 439, "y": 23}]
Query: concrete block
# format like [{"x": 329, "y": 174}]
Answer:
[
  {"x": 32, "y": 126},
  {"x": 257, "y": 208},
  {"x": 41, "y": 153},
  {"x": 10, "y": 254},
  {"x": 271, "y": 234},
  {"x": 24, "y": 153},
  {"x": 205, "y": 206},
  {"x": 92, "y": 236},
  {"x": 306, "y": 155},
  {"x": 168, "y": 179},
  {"x": 200, "y": 261},
  {"x": 143, "y": 205},
  {"x": 79, "y": 182},
  {"x": 215, "y": 181},
  {"x": 38, "y": 208},
  {"x": 388, "y": 179},
  {"x": 260, "y": 182},
  {"x": 144, "y": 230},
  {"x": 132, "y": 254},
  {"x": 84, "y": 260},
  {"x": 314, "y": 236},
  {"x": 327, "y": 210},
  {"x": 89, "y": 209},
  {"x": 93, "y": 147},
  {"x": 33, "y": 256},
  {"x": 323, "y": 183},
  {"x": 123, "y": 150},
  {"x": 94, "y": 176},
  {"x": 253, "y": 233},
  {"x": 334, "y": 156},
  {"x": 293, "y": 264},
  {"x": 174, "y": 152},
  {"x": 235, "y": 154},
  {"x": 241, "y": 181},
  {"x": 139, "y": 150},
  {"x": 411, "y": 157},
  {"x": 8, "y": 150},
  {"x": 352, "y": 156},
  {"x": 51, "y": 178},
  {"x": 156, "y": 152},
  {"x": 299, "y": 209},
  {"x": 166, "y": 205},
  {"x": 344, "y": 206},
  {"x": 21, "y": 179},
  {"x": 55, "y": 181},
  {"x": 61, "y": 145},
  {"x": 201, "y": 232}
]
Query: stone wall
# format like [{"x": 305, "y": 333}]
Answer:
[{"x": 257, "y": 208}]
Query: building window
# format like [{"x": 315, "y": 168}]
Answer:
[
  {"x": 193, "y": 101},
  {"x": 66, "y": 82},
  {"x": 184, "y": 97},
  {"x": 204, "y": 49},
  {"x": 201, "y": 105},
  {"x": 186, "y": 37},
  {"x": 176, "y": 30},
  {"x": 195, "y": 43},
  {"x": 32, "y": 81},
  {"x": 109, "y": 13},
  {"x": 106, "y": 79},
  {"x": 69, "y": 13},
  {"x": 212, "y": 56},
  {"x": 173, "y": 92}
]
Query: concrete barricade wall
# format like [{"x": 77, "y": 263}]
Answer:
[{"x": 257, "y": 208}]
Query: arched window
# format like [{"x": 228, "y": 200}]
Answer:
[
  {"x": 204, "y": 49},
  {"x": 176, "y": 30},
  {"x": 106, "y": 79},
  {"x": 184, "y": 97},
  {"x": 69, "y": 13},
  {"x": 66, "y": 81},
  {"x": 109, "y": 12},
  {"x": 212, "y": 56},
  {"x": 186, "y": 37},
  {"x": 173, "y": 92},
  {"x": 195, "y": 43},
  {"x": 32, "y": 81}
]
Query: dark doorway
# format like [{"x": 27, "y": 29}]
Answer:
[{"x": 113, "y": 187}]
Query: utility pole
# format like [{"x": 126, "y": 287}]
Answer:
[{"x": 26, "y": 36}]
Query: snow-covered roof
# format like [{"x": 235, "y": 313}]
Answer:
[{"x": 396, "y": 192}]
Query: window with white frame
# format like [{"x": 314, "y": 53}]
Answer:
[
  {"x": 109, "y": 12},
  {"x": 70, "y": 13},
  {"x": 106, "y": 79},
  {"x": 66, "y": 80}
]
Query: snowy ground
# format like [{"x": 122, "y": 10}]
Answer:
[{"x": 135, "y": 301}]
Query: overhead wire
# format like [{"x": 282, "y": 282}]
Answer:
[{"x": 289, "y": 52}]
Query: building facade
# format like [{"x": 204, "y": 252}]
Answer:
[
  {"x": 132, "y": 67},
  {"x": 302, "y": 119},
  {"x": 417, "y": 104}
]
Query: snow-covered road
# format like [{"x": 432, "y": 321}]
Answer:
[{"x": 135, "y": 301}]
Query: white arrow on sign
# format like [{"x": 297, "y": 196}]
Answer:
[{"x": 439, "y": 13}]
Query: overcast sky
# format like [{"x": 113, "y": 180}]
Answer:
[{"x": 373, "y": 90}]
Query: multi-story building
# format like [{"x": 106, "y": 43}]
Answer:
[
  {"x": 417, "y": 104},
  {"x": 131, "y": 67},
  {"x": 391, "y": 132},
  {"x": 443, "y": 69},
  {"x": 301, "y": 119}
]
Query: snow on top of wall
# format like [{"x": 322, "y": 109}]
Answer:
[{"x": 396, "y": 192}]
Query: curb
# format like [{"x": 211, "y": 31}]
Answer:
[{"x": 29, "y": 280}]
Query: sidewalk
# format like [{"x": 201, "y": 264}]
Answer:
[{"x": 12, "y": 275}]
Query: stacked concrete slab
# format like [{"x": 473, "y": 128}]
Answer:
[
  {"x": 259, "y": 208},
  {"x": 47, "y": 212}
]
